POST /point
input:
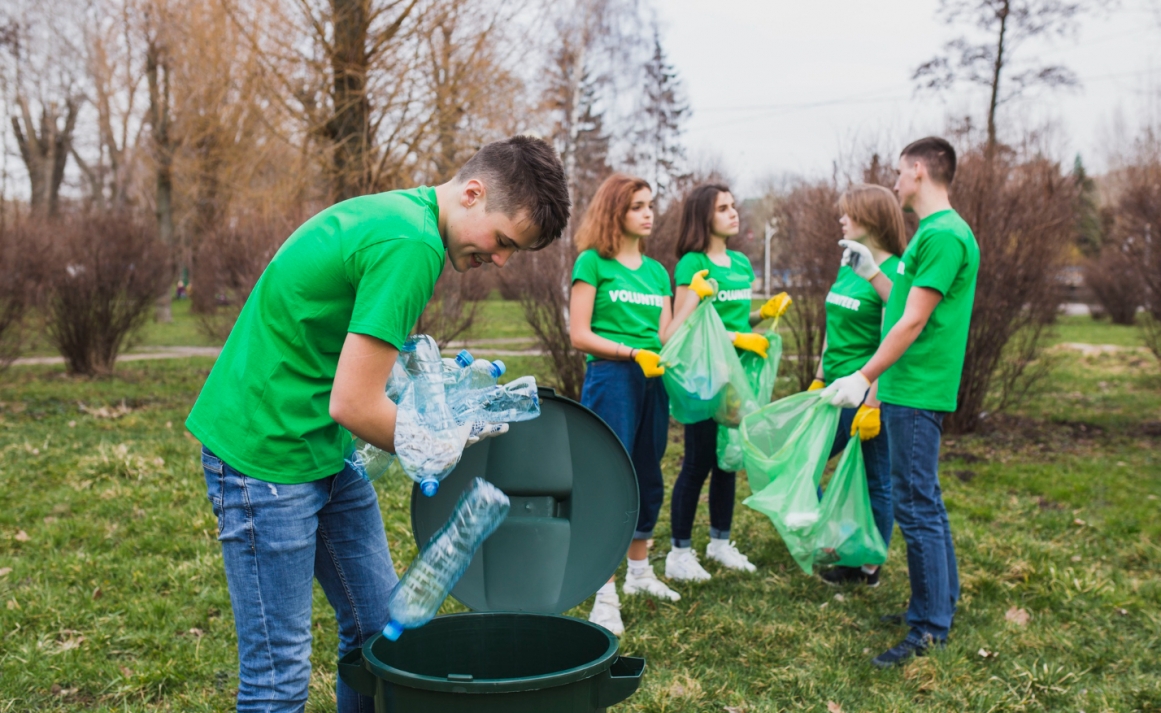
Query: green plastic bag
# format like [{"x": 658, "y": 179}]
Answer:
[
  {"x": 846, "y": 533},
  {"x": 761, "y": 373},
  {"x": 703, "y": 375}
]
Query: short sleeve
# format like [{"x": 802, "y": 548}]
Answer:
[
  {"x": 686, "y": 268},
  {"x": 587, "y": 268},
  {"x": 939, "y": 258},
  {"x": 661, "y": 277},
  {"x": 749, "y": 266},
  {"x": 396, "y": 278}
]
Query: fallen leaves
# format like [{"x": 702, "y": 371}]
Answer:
[
  {"x": 1017, "y": 616},
  {"x": 112, "y": 413},
  {"x": 5, "y": 571},
  {"x": 832, "y": 707},
  {"x": 985, "y": 654},
  {"x": 21, "y": 536}
]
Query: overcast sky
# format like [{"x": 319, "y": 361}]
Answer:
[{"x": 782, "y": 87}]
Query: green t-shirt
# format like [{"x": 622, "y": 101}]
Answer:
[
  {"x": 732, "y": 300},
  {"x": 945, "y": 257},
  {"x": 367, "y": 265},
  {"x": 854, "y": 322},
  {"x": 627, "y": 308}
]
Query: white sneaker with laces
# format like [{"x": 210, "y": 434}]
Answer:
[
  {"x": 607, "y": 613},
  {"x": 648, "y": 583},
  {"x": 726, "y": 552},
  {"x": 681, "y": 564}
]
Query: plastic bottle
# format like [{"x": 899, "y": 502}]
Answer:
[
  {"x": 445, "y": 557},
  {"x": 515, "y": 401},
  {"x": 454, "y": 367},
  {"x": 424, "y": 366},
  {"x": 426, "y": 454},
  {"x": 480, "y": 374},
  {"x": 367, "y": 460}
]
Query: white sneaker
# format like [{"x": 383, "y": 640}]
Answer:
[
  {"x": 681, "y": 564},
  {"x": 727, "y": 554},
  {"x": 648, "y": 583},
  {"x": 607, "y": 613}
]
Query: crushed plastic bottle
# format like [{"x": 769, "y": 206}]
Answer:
[
  {"x": 454, "y": 366},
  {"x": 426, "y": 454},
  {"x": 367, "y": 460},
  {"x": 424, "y": 366},
  {"x": 517, "y": 400},
  {"x": 445, "y": 557},
  {"x": 465, "y": 390}
]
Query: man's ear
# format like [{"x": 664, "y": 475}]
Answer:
[
  {"x": 921, "y": 171},
  {"x": 472, "y": 192}
]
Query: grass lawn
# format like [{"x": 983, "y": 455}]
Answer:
[{"x": 114, "y": 598}]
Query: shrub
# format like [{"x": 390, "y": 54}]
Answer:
[
  {"x": 102, "y": 273},
  {"x": 18, "y": 284},
  {"x": 541, "y": 280},
  {"x": 1136, "y": 224},
  {"x": 1023, "y": 214},
  {"x": 1113, "y": 279},
  {"x": 453, "y": 306}
]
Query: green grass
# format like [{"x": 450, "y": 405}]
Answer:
[
  {"x": 116, "y": 600},
  {"x": 1087, "y": 330}
]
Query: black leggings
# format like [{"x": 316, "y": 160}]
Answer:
[{"x": 701, "y": 457}]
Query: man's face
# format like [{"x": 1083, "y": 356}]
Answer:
[
  {"x": 907, "y": 182},
  {"x": 476, "y": 236}
]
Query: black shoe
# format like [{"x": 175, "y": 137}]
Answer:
[
  {"x": 900, "y": 654},
  {"x": 837, "y": 576}
]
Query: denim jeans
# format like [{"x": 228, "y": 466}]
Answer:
[
  {"x": 877, "y": 459},
  {"x": 275, "y": 539},
  {"x": 701, "y": 459},
  {"x": 914, "y": 436},
  {"x": 637, "y": 409}
]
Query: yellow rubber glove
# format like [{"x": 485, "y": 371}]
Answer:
[
  {"x": 649, "y": 363},
  {"x": 775, "y": 306},
  {"x": 816, "y": 385},
  {"x": 752, "y": 343},
  {"x": 700, "y": 285},
  {"x": 866, "y": 423}
]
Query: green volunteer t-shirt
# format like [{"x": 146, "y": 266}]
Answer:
[
  {"x": 627, "y": 308},
  {"x": 732, "y": 300},
  {"x": 367, "y": 265},
  {"x": 944, "y": 257},
  {"x": 854, "y": 322}
]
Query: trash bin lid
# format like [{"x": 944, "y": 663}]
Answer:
[{"x": 574, "y": 510}]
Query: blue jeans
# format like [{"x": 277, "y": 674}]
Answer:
[
  {"x": 637, "y": 409},
  {"x": 275, "y": 539},
  {"x": 914, "y": 436},
  {"x": 701, "y": 460},
  {"x": 877, "y": 459}
]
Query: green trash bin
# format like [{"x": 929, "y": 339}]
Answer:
[{"x": 573, "y": 495}]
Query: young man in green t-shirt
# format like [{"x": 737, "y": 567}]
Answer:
[
  {"x": 307, "y": 361},
  {"x": 918, "y": 365}
]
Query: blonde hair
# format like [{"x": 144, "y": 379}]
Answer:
[
  {"x": 876, "y": 209},
  {"x": 604, "y": 221}
]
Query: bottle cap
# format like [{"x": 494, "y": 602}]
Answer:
[
  {"x": 429, "y": 486},
  {"x": 465, "y": 358},
  {"x": 393, "y": 630},
  {"x": 498, "y": 368},
  {"x": 408, "y": 346}
]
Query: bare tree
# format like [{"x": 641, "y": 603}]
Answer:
[
  {"x": 990, "y": 61},
  {"x": 658, "y": 152}
]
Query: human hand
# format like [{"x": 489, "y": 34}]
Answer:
[
  {"x": 775, "y": 306},
  {"x": 866, "y": 423},
  {"x": 649, "y": 363},
  {"x": 848, "y": 391},
  {"x": 701, "y": 286},
  {"x": 859, "y": 258},
  {"x": 755, "y": 343},
  {"x": 816, "y": 385}
]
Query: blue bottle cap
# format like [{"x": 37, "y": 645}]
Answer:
[
  {"x": 408, "y": 346},
  {"x": 393, "y": 630},
  {"x": 498, "y": 368},
  {"x": 428, "y": 486},
  {"x": 465, "y": 359}
]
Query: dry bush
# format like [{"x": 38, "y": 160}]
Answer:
[
  {"x": 1113, "y": 279},
  {"x": 541, "y": 279},
  {"x": 1137, "y": 220},
  {"x": 19, "y": 261},
  {"x": 453, "y": 307},
  {"x": 1023, "y": 214},
  {"x": 101, "y": 275},
  {"x": 227, "y": 263},
  {"x": 808, "y": 233}
]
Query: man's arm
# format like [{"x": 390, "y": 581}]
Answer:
[
  {"x": 882, "y": 285},
  {"x": 359, "y": 400},
  {"x": 921, "y": 302}
]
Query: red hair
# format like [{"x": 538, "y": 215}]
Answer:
[{"x": 604, "y": 221}]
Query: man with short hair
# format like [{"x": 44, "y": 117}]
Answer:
[
  {"x": 310, "y": 356},
  {"x": 918, "y": 365}
]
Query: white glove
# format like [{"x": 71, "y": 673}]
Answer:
[
  {"x": 847, "y": 392},
  {"x": 860, "y": 259},
  {"x": 479, "y": 430}
]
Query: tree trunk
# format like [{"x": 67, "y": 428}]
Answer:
[
  {"x": 997, "y": 68},
  {"x": 45, "y": 153},
  {"x": 157, "y": 74},
  {"x": 350, "y": 127}
]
